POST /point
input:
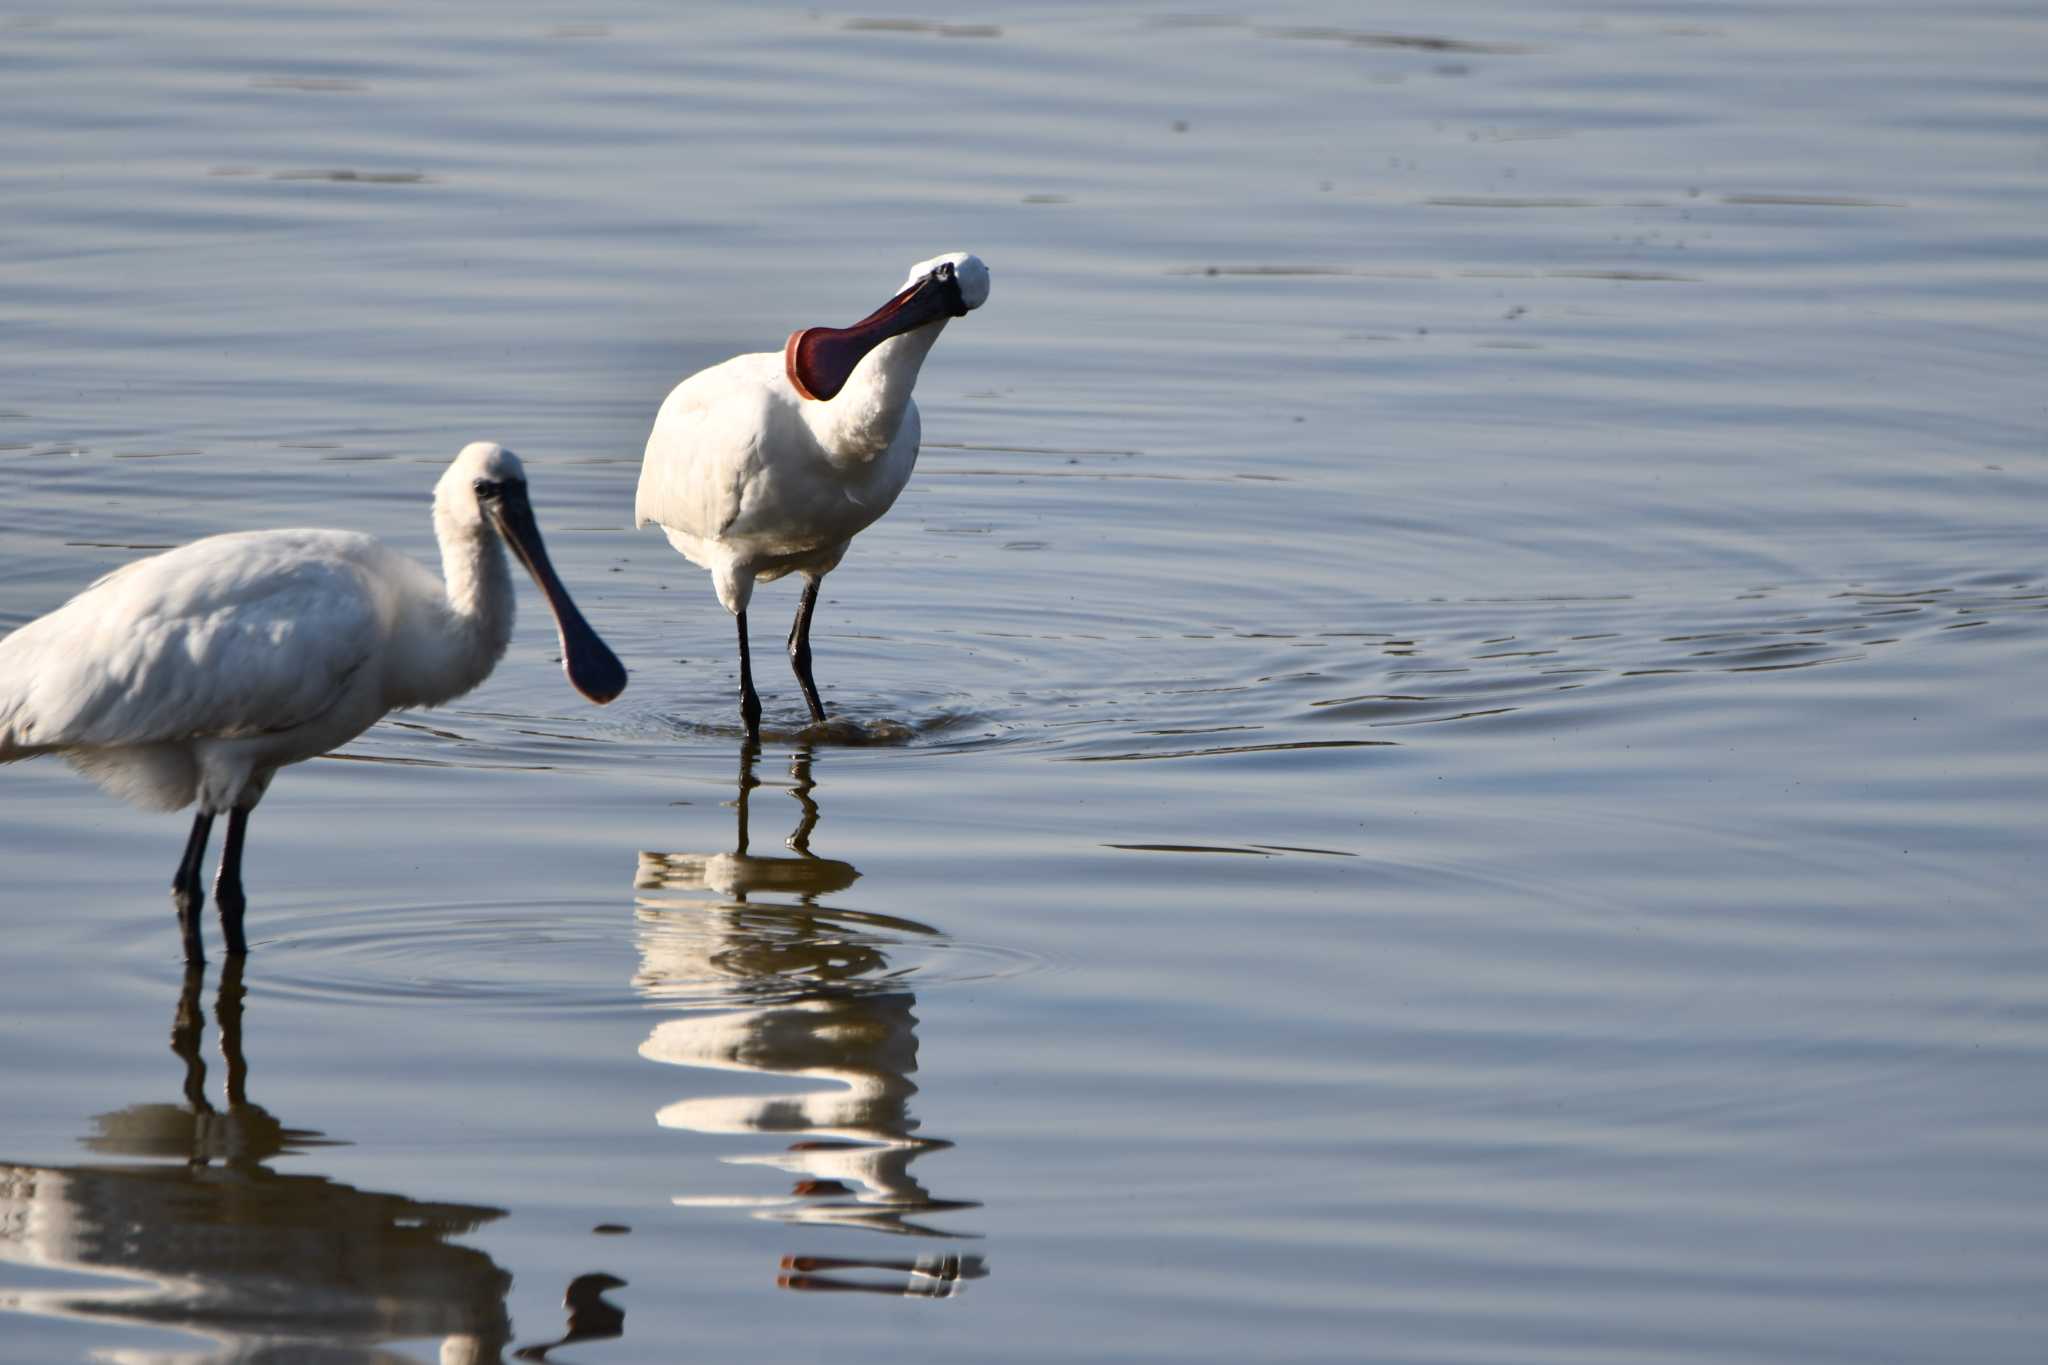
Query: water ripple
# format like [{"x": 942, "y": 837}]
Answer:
[{"x": 541, "y": 955}]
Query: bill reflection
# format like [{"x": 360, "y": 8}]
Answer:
[
  {"x": 592, "y": 1316},
  {"x": 787, "y": 985},
  {"x": 215, "y": 1243}
]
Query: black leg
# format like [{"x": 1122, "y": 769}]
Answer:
[
  {"x": 186, "y": 891},
  {"x": 227, "y": 887},
  {"x": 750, "y": 701},
  {"x": 800, "y": 649}
]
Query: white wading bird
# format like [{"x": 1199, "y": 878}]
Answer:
[
  {"x": 771, "y": 463},
  {"x": 194, "y": 675}
]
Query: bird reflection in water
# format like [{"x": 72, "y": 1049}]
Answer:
[
  {"x": 926, "y": 1277},
  {"x": 268, "y": 1265},
  {"x": 819, "y": 1000},
  {"x": 592, "y": 1317}
]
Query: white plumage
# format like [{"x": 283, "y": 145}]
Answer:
[
  {"x": 770, "y": 463},
  {"x": 194, "y": 675},
  {"x": 184, "y": 676},
  {"x": 745, "y": 484}
]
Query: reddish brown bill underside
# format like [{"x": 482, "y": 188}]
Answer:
[{"x": 819, "y": 360}]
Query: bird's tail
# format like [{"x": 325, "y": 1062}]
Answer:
[
  {"x": 15, "y": 744},
  {"x": 12, "y": 745},
  {"x": 18, "y": 737}
]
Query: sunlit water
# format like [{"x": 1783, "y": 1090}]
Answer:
[{"x": 1442, "y": 761}]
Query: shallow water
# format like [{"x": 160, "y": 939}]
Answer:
[{"x": 1442, "y": 761}]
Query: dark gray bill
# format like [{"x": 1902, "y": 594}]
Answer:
[
  {"x": 592, "y": 667},
  {"x": 821, "y": 359}
]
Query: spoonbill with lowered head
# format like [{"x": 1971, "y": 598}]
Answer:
[
  {"x": 770, "y": 463},
  {"x": 194, "y": 675}
]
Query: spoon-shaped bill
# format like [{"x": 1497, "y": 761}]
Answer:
[
  {"x": 592, "y": 667},
  {"x": 820, "y": 360}
]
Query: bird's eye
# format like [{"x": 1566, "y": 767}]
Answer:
[
  {"x": 945, "y": 272},
  {"x": 488, "y": 488}
]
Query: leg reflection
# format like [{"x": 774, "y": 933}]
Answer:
[
  {"x": 774, "y": 980},
  {"x": 185, "y": 1205}
]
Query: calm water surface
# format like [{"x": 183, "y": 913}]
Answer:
[{"x": 1442, "y": 762}]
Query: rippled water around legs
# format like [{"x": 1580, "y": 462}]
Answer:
[{"x": 1441, "y": 761}]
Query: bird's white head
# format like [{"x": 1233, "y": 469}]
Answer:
[
  {"x": 486, "y": 487},
  {"x": 457, "y": 495},
  {"x": 967, "y": 269},
  {"x": 819, "y": 360}
]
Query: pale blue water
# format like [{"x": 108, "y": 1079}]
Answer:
[{"x": 1461, "y": 667}]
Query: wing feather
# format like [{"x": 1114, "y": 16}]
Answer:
[
  {"x": 705, "y": 452},
  {"x": 230, "y": 636}
]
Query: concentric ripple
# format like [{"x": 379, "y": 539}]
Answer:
[
  {"x": 543, "y": 955},
  {"x": 553, "y": 956}
]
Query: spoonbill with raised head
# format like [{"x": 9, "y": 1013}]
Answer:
[
  {"x": 194, "y": 675},
  {"x": 770, "y": 463}
]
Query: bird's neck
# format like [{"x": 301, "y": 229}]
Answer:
[
  {"x": 862, "y": 421},
  {"x": 458, "y": 651}
]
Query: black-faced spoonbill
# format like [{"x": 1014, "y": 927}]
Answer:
[
  {"x": 194, "y": 675},
  {"x": 770, "y": 463}
]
